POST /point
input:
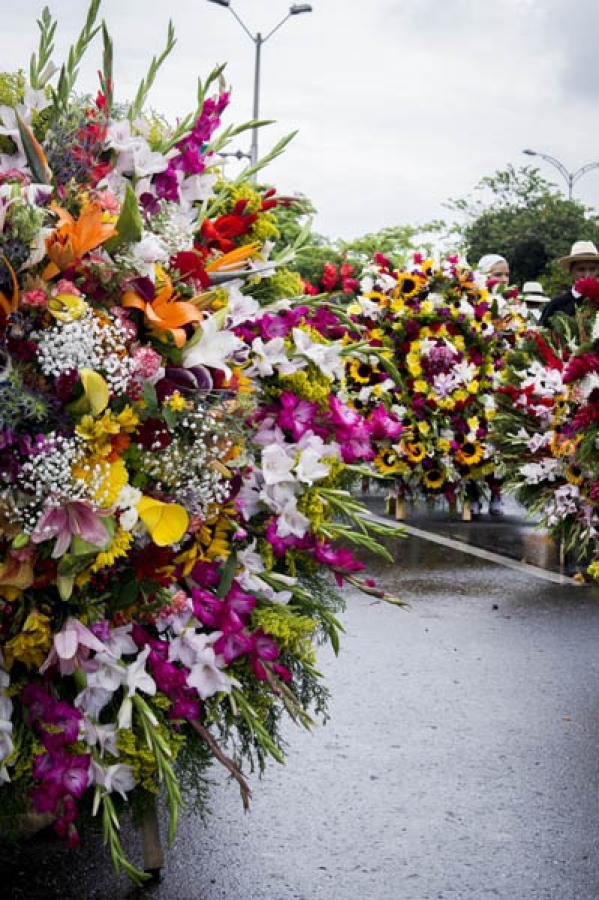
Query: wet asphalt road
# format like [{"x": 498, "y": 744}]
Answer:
[{"x": 461, "y": 760}]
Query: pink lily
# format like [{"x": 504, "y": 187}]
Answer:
[
  {"x": 76, "y": 517},
  {"x": 71, "y": 645}
]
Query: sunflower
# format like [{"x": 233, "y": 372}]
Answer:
[
  {"x": 470, "y": 453},
  {"x": 415, "y": 452},
  {"x": 408, "y": 285},
  {"x": 362, "y": 371},
  {"x": 433, "y": 479},
  {"x": 387, "y": 461},
  {"x": 574, "y": 474}
]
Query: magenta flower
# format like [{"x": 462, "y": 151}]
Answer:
[
  {"x": 296, "y": 415},
  {"x": 61, "y": 774},
  {"x": 384, "y": 425},
  {"x": 65, "y": 718},
  {"x": 342, "y": 415},
  {"x": 76, "y": 517},
  {"x": 266, "y": 650},
  {"x": 355, "y": 443}
]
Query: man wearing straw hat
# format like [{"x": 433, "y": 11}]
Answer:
[
  {"x": 534, "y": 299},
  {"x": 582, "y": 262}
]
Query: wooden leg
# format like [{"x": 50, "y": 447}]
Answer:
[
  {"x": 562, "y": 554},
  {"x": 150, "y": 842},
  {"x": 400, "y": 509},
  {"x": 365, "y": 484},
  {"x": 467, "y": 511}
]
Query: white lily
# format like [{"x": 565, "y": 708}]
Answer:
[{"x": 213, "y": 348}]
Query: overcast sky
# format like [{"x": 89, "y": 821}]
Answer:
[{"x": 400, "y": 104}]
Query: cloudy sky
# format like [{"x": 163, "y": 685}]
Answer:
[{"x": 400, "y": 104}]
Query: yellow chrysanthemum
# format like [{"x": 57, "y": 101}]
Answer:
[
  {"x": 473, "y": 387},
  {"x": 413, "y": 364},
  {"x": 593, "y": 569},
  {"x": 177, "y": 402},
  {"x": 424, "y": 428},
  {"x": 443, "y": 445},
  {"x": 32, "y": 644},
  {"x": 420, "y": 386}
]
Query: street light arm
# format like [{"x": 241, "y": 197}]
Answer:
[
  {"x": 243, "y": 25},
  {"x": 276, "y": 28},
  {"x": 558, "y": 165},
  {"x": 583, "y": 170}
]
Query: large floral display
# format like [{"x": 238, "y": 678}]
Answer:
[
  {"x": 430, "y": 349},
  {"x": 175, "y": 514},
  {"x": 547, "y": 428}
]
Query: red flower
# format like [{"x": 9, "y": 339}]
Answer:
[
  {"x": 190, "y": 265},
  {"x": 581, "y": 365},
  {"x": 330, "y": 277},
  {"x": 589, "y": 288}
]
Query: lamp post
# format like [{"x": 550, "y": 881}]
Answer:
[
  {"x": 571, "y": 177},
  {"x": 258, "y": 40}
]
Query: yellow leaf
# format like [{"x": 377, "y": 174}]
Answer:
[{"x": 166, "y": 522}]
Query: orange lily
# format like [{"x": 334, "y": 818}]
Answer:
[
  {"x": 165, "y": 312},
  {"x": 9, "y": 306},
  {"x": 72, "y": 239}
]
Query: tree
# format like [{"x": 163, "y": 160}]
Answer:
[{"x": 520, "y": 215}]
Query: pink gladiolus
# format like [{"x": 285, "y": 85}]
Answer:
[
  {"x": 295, "y": 415},
  {"x": 343, "y": 415},
  {"x": 65, "y": 522},
  {"x": 383, "y": 424}
]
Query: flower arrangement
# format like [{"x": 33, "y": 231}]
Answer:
[
  {"x": 429, "y": 353},
  {"x": 175, "y": 455},
  {"x": 548, "y": 424}
]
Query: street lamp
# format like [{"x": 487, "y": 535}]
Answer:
[
  {"x": 296, "y": 9},
  {"x": 571, "y": 177}
]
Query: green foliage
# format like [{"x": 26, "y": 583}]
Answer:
[
  {"x": 147, "y": 82},
  {"x": 40, "y": 68},
  {"x": 520, "y": 215}
]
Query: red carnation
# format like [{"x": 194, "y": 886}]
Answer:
[
  {"x": 589, "y": 288},
  {"x": 330, "y": 277}
]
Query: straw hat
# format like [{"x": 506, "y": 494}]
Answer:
[
  {"x": 532, "y": 292},
  {"x": 582, "y": 251}
]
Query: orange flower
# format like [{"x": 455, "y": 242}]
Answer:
[
  {"x": 229, "y": 262},
  {"x": 72, "y": 239},
  {"x": 165, "y": 312}
]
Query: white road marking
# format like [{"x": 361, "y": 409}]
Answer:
[{"x": 498, "y": 558}]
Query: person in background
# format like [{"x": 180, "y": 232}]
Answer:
[
  {"x": 494, "y": 266},
  {"x": 534, "y": 298},
  {"x": 582, "y": 262}
]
